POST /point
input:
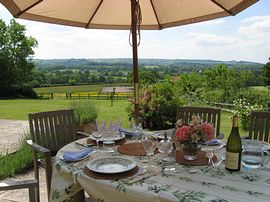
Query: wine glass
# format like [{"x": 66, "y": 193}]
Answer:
[
  {"x": 149, "y": 146},
  {"x": 98, "y": 136}
]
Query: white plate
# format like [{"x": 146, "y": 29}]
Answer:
[
  {"x": 214, "y": 142},
  {"x": 61, "y": 157},
  {"x": 158, "y": 135},
  {"x": 116, "y": 136},
  {"x": 266, "y": 146},
  {"x": 111, "y": 165}
]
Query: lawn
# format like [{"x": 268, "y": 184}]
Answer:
[{"x": 18, "y": 109}]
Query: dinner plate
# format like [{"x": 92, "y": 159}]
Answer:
[
  {"x": 214, "y": 142},
  {"x": 116, "y": 136},
  {"x": 111, "y": 165},
  {"x": 266, "y": 146},
  {"x": 61, "y": 157}
]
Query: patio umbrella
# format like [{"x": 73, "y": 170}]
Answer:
[{"x": 125, "y": 15}]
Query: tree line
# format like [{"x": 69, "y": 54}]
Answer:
[{"x": 19, "y": 72}]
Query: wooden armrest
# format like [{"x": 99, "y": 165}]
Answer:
[
  {"x": 80, "y": 134},
  {"x": 21, "y": 184},
  {"x": 38, "y": 148}
]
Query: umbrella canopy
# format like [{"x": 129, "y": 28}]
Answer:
[{"x": 125, "y": 15}]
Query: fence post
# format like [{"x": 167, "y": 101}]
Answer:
[{"x": 51, "y": 95}]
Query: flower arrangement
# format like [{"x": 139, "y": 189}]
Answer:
[{"x": 196, "y": 131}]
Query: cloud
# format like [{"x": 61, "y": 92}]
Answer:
[{"x": 255, "y": 27}]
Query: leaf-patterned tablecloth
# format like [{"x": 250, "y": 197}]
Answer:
[{"x": 213, "y": 184}]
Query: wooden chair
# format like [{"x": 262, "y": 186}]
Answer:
[
  {"x": 50, "y": 131},
  {"x": 211, "y": 115},
  {"x": 31, "y": 185},
  {"x": 260, "y": 126}
]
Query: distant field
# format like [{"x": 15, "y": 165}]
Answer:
[
  {"x": 19, "y": 108},
  {"x": 69, "y": 89},
  {"x": 261, "y": 88}
]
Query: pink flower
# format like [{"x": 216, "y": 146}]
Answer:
[
  {"x": 183, "y": 133},
  {"x": 208, "y": 131}
]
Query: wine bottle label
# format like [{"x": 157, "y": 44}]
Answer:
[{"x": 232, "y": 160}]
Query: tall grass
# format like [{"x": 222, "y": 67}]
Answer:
[{"x": 16, "y": 162}]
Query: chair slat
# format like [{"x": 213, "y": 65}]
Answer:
[
  {"x": 211, "y": 115},
  {"x": 259, "y": 125}
]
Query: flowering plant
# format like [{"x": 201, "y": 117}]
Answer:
[{"x": 196, "y": 131}]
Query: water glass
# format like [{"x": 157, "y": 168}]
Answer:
[{"x": 109, "y": 144}]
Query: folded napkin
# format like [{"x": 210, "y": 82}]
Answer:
[
  {"x": 76, "y": 155},
  {"x": 127, "y": 132},
  {"x": 212, "y": 142}
]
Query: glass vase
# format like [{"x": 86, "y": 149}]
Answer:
[{"x": 190, "y": 151}]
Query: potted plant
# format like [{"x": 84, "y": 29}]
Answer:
[{"x": 85, "y": 113}]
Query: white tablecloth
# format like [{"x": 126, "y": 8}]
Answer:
[{"x": 203, "y": 184}]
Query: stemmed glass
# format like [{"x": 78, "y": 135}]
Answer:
[
  {"x": 149, "y": 146},
  {"x": 98, "y": 136}
]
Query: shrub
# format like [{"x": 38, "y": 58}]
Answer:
[
  {"x": 158, "y": 106},
  {"x": 243, "y": 109},
  {"x": 85, "y": 110}
]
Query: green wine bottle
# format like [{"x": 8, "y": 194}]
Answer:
[{"x": 234, "y": 148}]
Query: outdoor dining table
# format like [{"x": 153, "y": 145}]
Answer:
[{"x": 185, "y": 183}]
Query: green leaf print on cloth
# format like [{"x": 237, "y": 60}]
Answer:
[
  {"x": 250, "y": 177},
  {"x": 189, "y": 196}
]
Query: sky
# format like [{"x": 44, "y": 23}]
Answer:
[{"x": 244, "y": 37}]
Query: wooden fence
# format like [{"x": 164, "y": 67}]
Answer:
[{"x": 96, "y": 96}]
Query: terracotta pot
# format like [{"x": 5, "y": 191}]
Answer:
[{"x": 87, "y": 127}]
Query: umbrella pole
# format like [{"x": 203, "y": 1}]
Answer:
[{"x": 135, "y": 60}]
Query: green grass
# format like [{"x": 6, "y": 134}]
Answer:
[
  {"x": 18, "y": 109},
  {"x": 68, "y": 89},
  {"x": 226, "y": 125}
]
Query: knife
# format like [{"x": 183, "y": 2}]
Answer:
[{"x": 84, "y": 145}]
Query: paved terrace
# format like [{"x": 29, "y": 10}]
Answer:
[{"x": 11, "y": 132}]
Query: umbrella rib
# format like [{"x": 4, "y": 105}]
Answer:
[
  {"x": 222, "y": 7},
  {"x": 91, "y": 18},
  {"x": 159, "y": 25},
  {"x": 28, "y": 8}
]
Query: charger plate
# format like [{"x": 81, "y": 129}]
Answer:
[
  {"x": 133, "y": 149},
  {"x": 200, "y": 161}
]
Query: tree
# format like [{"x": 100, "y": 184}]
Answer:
[
  {"x": 16, "y": 50},
  {"x": 266, "y": 74}
]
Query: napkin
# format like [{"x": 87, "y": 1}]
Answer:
[
  {"x": 212, "y": 142},
  {"x": 76, "y": 155}
]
